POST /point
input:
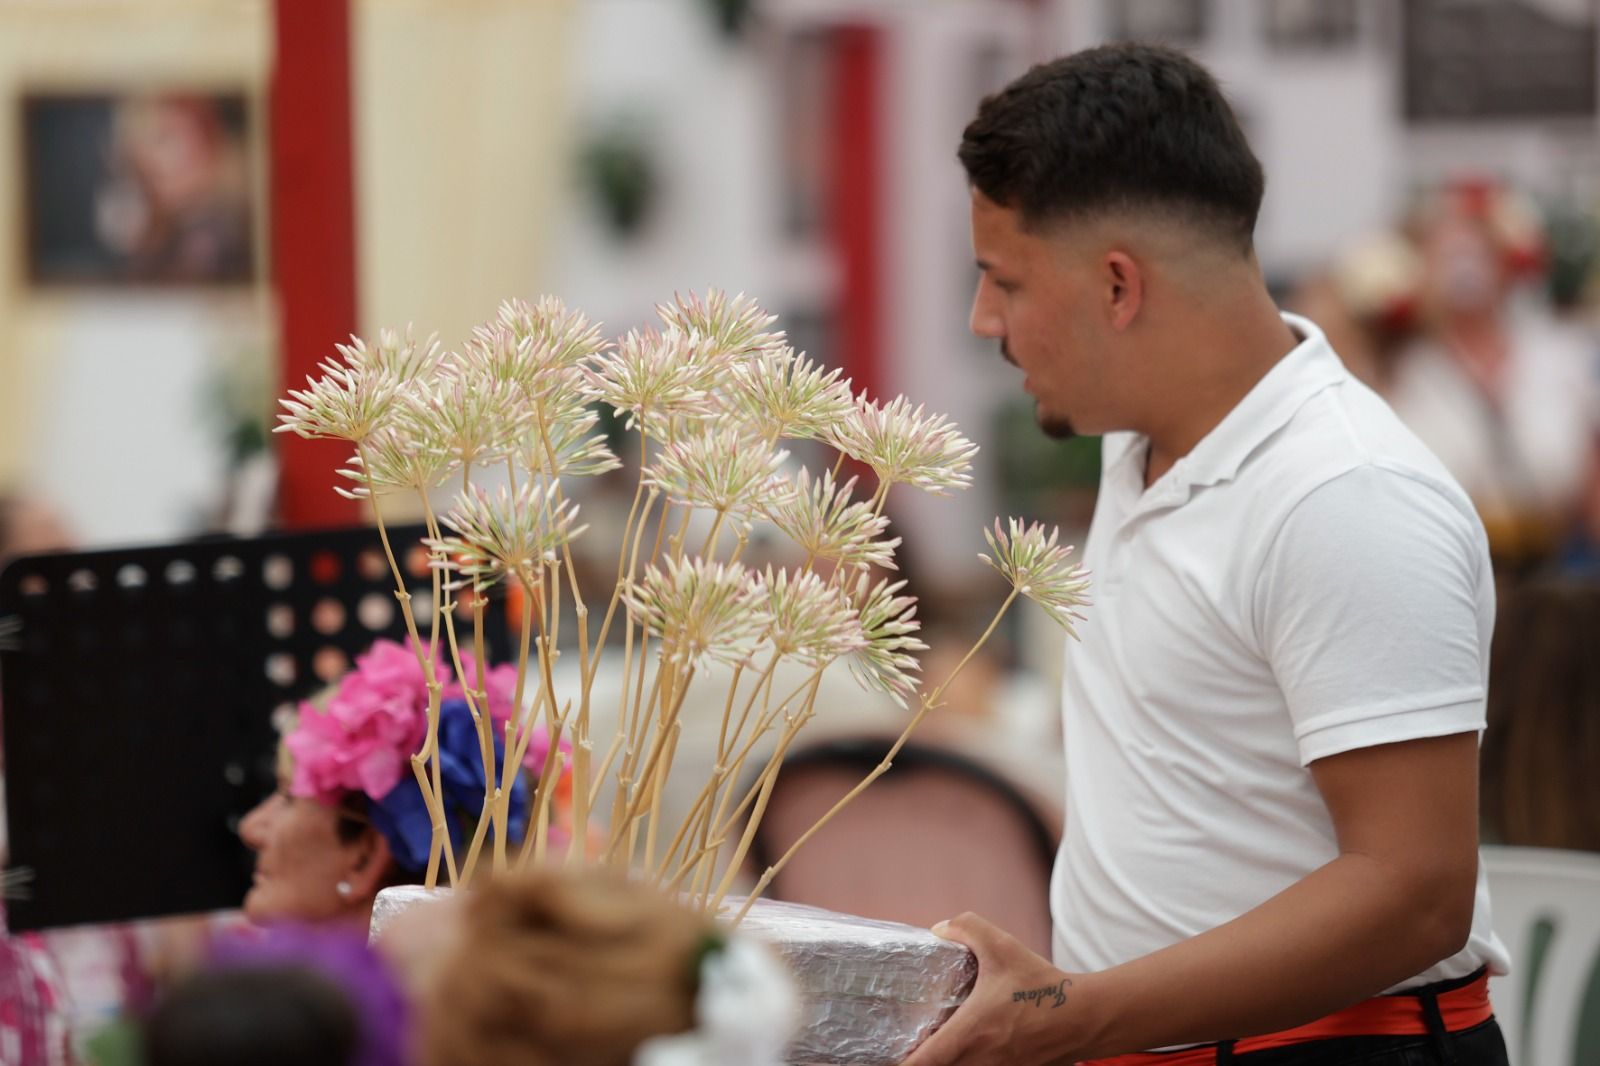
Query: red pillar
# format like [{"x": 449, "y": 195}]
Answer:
[
  {"x": 313, "y": 234},
  {"x": 857, "y": 203}
]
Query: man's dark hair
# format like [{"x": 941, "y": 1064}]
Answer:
[{"x": 1121, "y": 126}]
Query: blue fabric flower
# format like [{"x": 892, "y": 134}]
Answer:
[{"x": 402, "y": 816}]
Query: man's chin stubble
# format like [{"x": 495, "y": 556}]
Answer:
[{"x": 1055, "y": 427}]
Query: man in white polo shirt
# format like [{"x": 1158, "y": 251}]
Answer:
[{"x": 1272, "y": 719}]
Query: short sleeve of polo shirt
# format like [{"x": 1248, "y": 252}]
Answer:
[{"x": 1368, "y": 609}]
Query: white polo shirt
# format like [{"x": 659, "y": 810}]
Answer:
[{"x": 1307, "y": 581}]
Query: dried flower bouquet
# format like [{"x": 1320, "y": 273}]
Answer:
[{"x": 710, "y": 395}]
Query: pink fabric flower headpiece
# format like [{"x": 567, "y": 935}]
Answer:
[{"x": 363, "y": 739}]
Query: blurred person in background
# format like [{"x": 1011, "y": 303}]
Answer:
[
  {"x": 348, "y": 818},
  {"x": 35, "y": 1011},
  {"x": 1580, "y": 553},
  {"x": 30, "y": 525},
  {"x": 1366, "y": 303},
  {"x": 588, "y": 966},
  {"x": 1541, "y": 755},
  {"x": 1497, "y": 386},
  {"x": 293, "y": 995}
]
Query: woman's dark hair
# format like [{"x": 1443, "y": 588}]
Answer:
[
  {"x": 354, "y": 819},
  {"x": 264, "y": 1016},
  {"x": 1121, "y": 126},
  {"x": 1540, "y": 753}
]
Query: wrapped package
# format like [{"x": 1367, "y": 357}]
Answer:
[{"x": 870, "y": 991}]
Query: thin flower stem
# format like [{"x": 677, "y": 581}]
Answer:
[
  {"x": 683, "y": 529},
  {"x": 430, "y": 794},
  {"x": 660, "y": 780},
  {"x": 764, "y": 724},
  {"x": 712, "y": 839},
  {"x": 438, "y": 577},
  {"x": 624, "y": 577},
  {"x": 525, "y": 638},
  {"x": 743, "y": 848},
  {"x": 682, "y": 835},
  {"x": 646, "y": 778},
  {"x": 877, "y": 771},
  {"x": 711, "y": 537}
]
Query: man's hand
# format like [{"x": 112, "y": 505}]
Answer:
[{"x": 1022, "y": 1011}]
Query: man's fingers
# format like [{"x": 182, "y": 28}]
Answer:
[{"x": 986, "y": 940}]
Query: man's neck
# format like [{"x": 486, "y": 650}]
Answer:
[{"x": 1222, "y": 359}]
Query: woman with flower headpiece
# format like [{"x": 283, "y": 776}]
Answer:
[{"x": 348, "y": 818}]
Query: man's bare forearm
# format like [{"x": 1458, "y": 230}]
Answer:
[{"x": 1345, "y": 933}]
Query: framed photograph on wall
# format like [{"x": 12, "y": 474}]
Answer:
[
  {"x": 1310, "y": 24},
  {"x": 1493, "y": 60},
  {"x": 1179, "y": 22},
  {"x": 138, "y": 188}
]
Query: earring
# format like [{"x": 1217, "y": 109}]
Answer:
[{"x": 344, "y": 889}]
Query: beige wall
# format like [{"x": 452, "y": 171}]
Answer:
[
  {"x": 461, "y": 155},
  {"x": 85, "y": 44}
]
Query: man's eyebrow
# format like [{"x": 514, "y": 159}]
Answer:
[{"x": 984, "y": 265}]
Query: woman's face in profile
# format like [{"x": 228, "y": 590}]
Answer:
[{"x": 299, "y": 860}]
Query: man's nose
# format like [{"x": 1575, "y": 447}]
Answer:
[{"x": 985, "y": 320}]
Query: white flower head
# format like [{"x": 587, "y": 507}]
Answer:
[
  {"x": 357, "y": 393},
  {"x": 345, "y": 403},
  {"x": 466, "y": 417},
  {"x": 901, "y": 444},
  {"x": 702, "y": 609},
  {"x": 654, "y": 377},
  {"x": 726, "y": 325},
  {"x": 812, "y": 621},
  {"x": 560, "y": 440},
  {"x": 828, "y": 523},
  {"x": 398, "y": 355},
  {"x": 887, "y": 662},
  {"x": 391, "y": 460},
  {"x": 495, "y": 353},
  {"x": 505, "y": 536},
  {"x": 722, "y": 470},
  {"x": 560, "y": 339},
  {"x": 1040, "y": 569},
  {"x": 782, "y": 394}
]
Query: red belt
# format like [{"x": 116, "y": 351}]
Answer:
[{"x": 1401, "y": 1014}]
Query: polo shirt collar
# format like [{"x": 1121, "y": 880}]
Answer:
[{"x": 1306, "y": 370}]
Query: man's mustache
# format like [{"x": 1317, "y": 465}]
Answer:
[{"x": 1005, "y": 352}]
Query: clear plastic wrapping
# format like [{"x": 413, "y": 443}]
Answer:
[{"x": 870, "y": 991}]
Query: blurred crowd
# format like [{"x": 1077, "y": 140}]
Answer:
[{"x": 1476, "y": 318}]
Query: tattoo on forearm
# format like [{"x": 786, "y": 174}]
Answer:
[{"x": 1055, "y": 994}]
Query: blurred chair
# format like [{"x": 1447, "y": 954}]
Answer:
[
  {"x": 1547, "y": 910},
  {"x": 937, "y": 835}
]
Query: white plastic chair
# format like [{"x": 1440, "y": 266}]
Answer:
[{"x": 1539, "y": 1011}]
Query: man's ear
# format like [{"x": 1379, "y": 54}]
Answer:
[{"x": 1123, "y": 287}]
